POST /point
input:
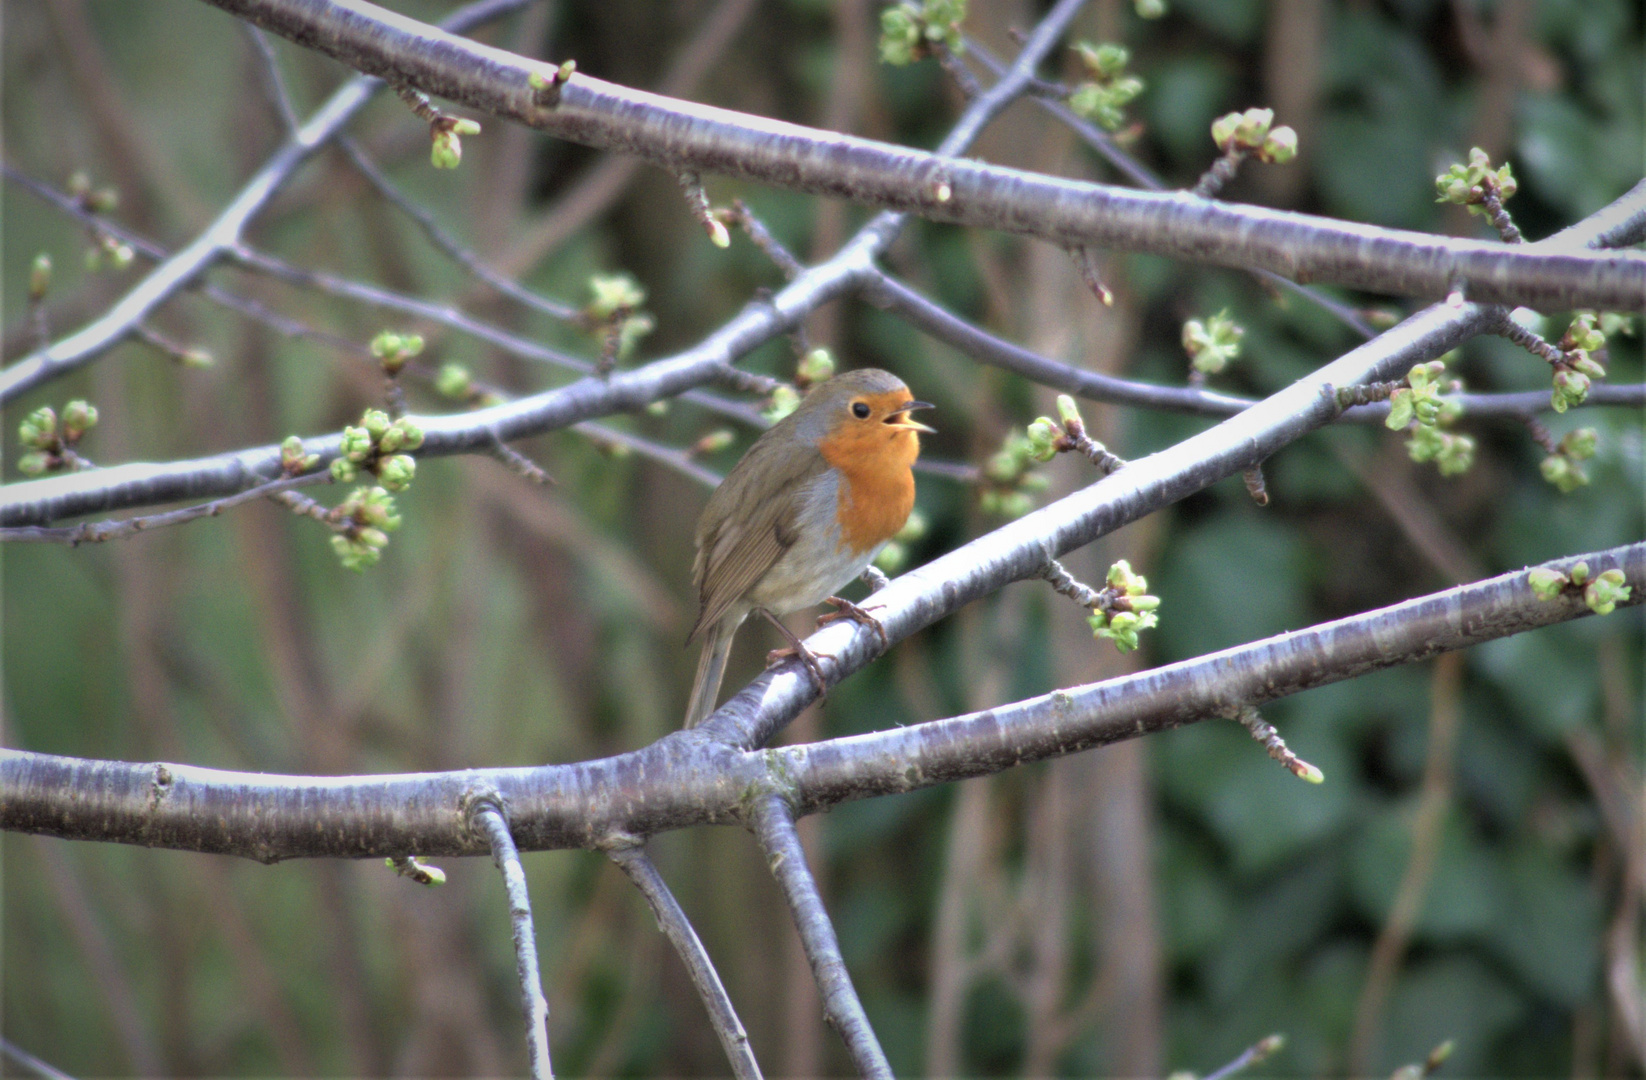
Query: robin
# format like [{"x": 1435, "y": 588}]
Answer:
[{"x": 802, "y": 514}]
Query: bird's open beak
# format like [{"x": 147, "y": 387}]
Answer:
[{"x": 900, "y": 419}]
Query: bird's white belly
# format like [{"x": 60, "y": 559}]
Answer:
[{"x": 818, "y": 565}]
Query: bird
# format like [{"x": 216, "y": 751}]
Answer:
[{"x": 804, "y": 511}]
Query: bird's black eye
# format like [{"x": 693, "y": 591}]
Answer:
[{"x": 860, "y": 409}]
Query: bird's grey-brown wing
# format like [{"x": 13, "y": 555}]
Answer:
[{"x": 745, "y": 528}]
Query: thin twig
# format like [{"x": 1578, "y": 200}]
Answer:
[
  {"x": 1100, "y": 141},
  {"x": 672, "y": 921},
  {"x": 1222, "y": 171},
  {"x": 180, "y": 269},
  {"x": 488, "y": 818},
  {"x": 1444, "y": 717},
  {"x": 773, "y": 824},
  {"x": 274, "y": 83},
  {"x": 1253, "y": 1054},
  {"x": 447, "y": 243},
  {"x": 28, "y": 1061},
  {"x": 1265, "y": 733},
  {"x": 98, "y": 532}
]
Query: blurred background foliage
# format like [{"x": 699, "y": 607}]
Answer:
[{"x": 1146, "y": 907}]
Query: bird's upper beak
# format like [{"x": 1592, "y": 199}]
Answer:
[{"x": 900, "y": 418}]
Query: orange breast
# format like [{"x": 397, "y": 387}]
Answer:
[{"x": 877, "y": 486}]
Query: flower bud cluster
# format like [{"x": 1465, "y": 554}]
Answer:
[
  {"x": 1419, "y": 401},
  {"x": 1564, "y": 468},
  {"x": 1108, "y": 89},
  {"x": 1125, "y": 608},
  {"x": 1212, "y": 344},
  {"x": 910, "y": 32},
  {"x": 1469, "y": 185},
  {"x": 1253, "y": 132},
  {"x": 367, "y": 517},
  {"x": 1602, "y": 592},
  {"x": 377, "y": 445},
  {"x": 48, "y": 443}
]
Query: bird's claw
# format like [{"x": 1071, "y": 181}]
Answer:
[
  {"x": 806, "y": 657},
  {"x": 845, "y": 609}
]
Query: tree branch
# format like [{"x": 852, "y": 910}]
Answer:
[
  {"x": 683, "y": 136},
  {"x": 773, "y": 824},
  {"x": 688, "y": 778},
  {"x": 490, "y": 822},
  {"x": 182, "y": 268},
  {"x": 672, "y": 921}
]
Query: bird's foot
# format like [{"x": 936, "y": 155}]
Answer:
[
  {"x": 797, "y": 650},
  {"x": 845, "y": 609}
]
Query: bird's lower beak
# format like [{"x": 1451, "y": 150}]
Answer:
[{"x": 904, "y": 421}]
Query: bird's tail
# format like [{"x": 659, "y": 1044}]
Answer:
[{"x": 711, "y": 668}]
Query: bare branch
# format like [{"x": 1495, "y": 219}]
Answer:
[
  {"x": 682, "y": 136},
  {"x": 443, "y": 240},
  {"x": 92, "y": 340},
  {"x": 688, "y": 778},
  {"x": 489, "y": 820},
  {"x": 773, "y": 824},
  {"x": 672, "y": 921}
]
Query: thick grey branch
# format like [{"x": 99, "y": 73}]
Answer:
[
  {"x": 688, "y": 779},
  {"x": 683, "y": 136}
]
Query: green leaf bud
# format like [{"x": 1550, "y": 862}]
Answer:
[
  {"x": 1014, "y": 504},
  {"x": 445, "y": 149},
  {"x": 396, "y": 472},
  {"x": 785, "y": 399},
  {"x": 899, "y": 35},
  {"x": 1587, "y": 365},
  {"x": 613, "y": 293},
  {"x": 815, "y": 367},
  {"x": 1580, "y": 445},
  {"x": 1605, "y": 592},
  {"x": 34, "y": 463},
  {"x": 1571, "y": 385},
  {"x": 411, "y": 435},
  {"x": 39, "y": 277},
  {"x": 1004, "y": 465},
  {"x": 1043, "y": 436},
  {"x": 1579, "y": 573},
  {"x": 465, "y": 126},
  {"x": 78, "y": 418},
  {"x": 1457, "y": 454},
  {"x": 1279, "y": 147},
  {"x": 376, "y": 422},
  {"x": 1400, "y": 410},
  {"x": 39, "y": 429},
  {"x": 453, "y": 381},
  {"x": 343, "y": 470},
  {"x": 1546, "y": 583}
]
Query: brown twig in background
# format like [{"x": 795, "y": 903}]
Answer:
[{"x": 1445, "y": 717}]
